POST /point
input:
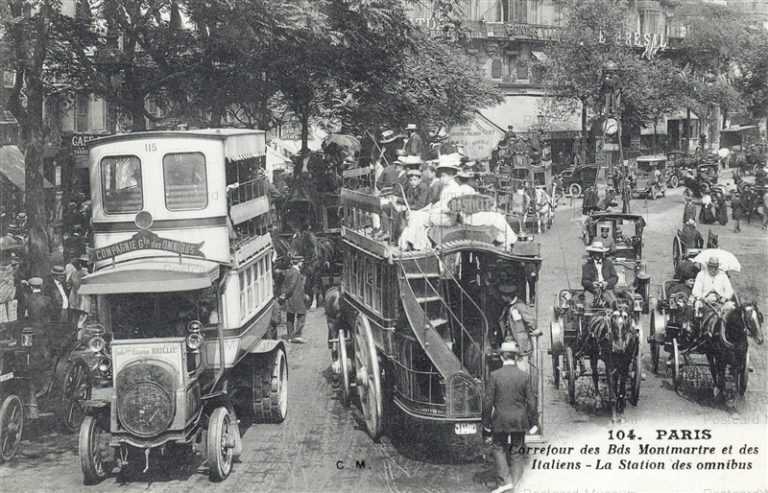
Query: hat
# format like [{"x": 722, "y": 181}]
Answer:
[
  {"x": 692, "y": 252},
  {"x": 411, "y": 126},
  {"x": 413, "y": 172},
  {"x": 507, "y": 289},
  {"x": 84, "y": 258},
  {"x": 35, "y": 282},
  {"x": 58, "y": 270},
  {"x": 449, "y": 161},
  {"x": 509, "y": 347},
  {"x": 597, "y": 246},
  {"x": 411, "y": 161},
  {"x": 713, "y": 262},
  {"x": 690, "y": 221},
  {"x": 387, "y": 136}
]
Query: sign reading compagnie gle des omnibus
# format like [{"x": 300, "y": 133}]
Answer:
[{"x": 146, "y": 240}]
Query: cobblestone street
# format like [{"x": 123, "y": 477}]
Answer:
[{"x": 322, "y": 446}]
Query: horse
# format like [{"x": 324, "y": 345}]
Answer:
[
  {"x": 542, "y": 208},
  {"x": 729, "y": 328},
  {"x": 611, "y": 337}
]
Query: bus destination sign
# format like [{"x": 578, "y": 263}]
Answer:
[{"x": 146, "y": 240}]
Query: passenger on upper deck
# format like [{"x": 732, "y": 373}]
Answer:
[{"x": 606, "y": 238}]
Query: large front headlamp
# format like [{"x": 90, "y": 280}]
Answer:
[{"x": 97, "y": 344}]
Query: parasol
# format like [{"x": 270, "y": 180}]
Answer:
[
  {"x": 8, "y": 242},
  {"x": 349, "y": 143},
  {"x": 728, "y": 261}
]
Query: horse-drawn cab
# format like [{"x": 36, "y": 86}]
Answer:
[
  {"x": 647, "y": 181},
  {"x": 624, "y": 235},
  {"x": 583, "y": 329}
]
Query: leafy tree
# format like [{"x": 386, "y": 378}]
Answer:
[
  {"x": 30, "y": 44},
  {"x": 753, "y": 70}
]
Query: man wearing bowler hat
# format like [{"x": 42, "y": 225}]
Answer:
[{"x": 509, "y": 412}]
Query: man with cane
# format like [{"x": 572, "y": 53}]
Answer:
[{"x": 509, "y": 412}]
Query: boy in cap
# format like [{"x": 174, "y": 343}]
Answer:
[
  {"x": 414, "y": 192},
  {"x": 510, "y": 412}
]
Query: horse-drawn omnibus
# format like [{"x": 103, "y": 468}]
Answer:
[
  {"x": 419, "y": 328},
  {"x": 182, "y": 282}
]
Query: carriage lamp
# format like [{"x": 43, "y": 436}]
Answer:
[
  {"x": 194, "y": 336},
  {"x": 104, "y": 365},
  {"x": 27, "y": 334},
  {"x": 97, "y": 344}
]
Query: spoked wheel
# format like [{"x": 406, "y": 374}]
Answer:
[
  {"x": 743, "y": 376},
  {"x": 368, "y": 378},
  {"x": 677, "y": 252},
  {"x": 674, "y": 181},
  {"x": 677, "y": 378},
  {"x": 637, "y": 373},
  {"x": 570, "y": 364},
  {"x": 93, "y": 448},
  {"x": 654, "y": 344},
  {"x": 574, "y": 189},
  {"x": 344, "y": 364},
  {"x": 11, "y": 426},
  {"x": 556, "y": 369},
  {"x": 220, "y": 443},
  {"x": 76, "y": 389}
]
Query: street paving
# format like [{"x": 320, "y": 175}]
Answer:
[{"x": 317, "y": 447}]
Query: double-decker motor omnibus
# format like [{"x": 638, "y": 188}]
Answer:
[
  {"x": 183, "y": 286},
  {"x": 420, "y": 329}
]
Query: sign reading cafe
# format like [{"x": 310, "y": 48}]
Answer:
[{"x": 651, "y": 43}]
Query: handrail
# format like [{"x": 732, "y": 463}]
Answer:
[
  {"x": 477, "y": 307},
  {"x": 453, "y": 315}
]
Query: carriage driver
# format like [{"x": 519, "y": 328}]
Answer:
[
  {"x": 598, "y": 275},
  {"x": 711, "y": 285}
]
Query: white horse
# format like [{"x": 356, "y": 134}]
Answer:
[{"x": 542, "y": 208}]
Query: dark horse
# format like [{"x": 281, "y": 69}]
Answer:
[
  {"x": 730, "y": 327},
  {"x": 612, "y": 338}
]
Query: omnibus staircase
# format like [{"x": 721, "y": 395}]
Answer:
[{"x": 449, "y": 344}]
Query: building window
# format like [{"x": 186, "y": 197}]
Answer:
[
  {"x": 185, "y": 181},
  {"x": 81, "y": 112},
  {"x": 121, "y": 184},
  {"x": 519, "y": 10},
  {"x": 496, "y": 69}
]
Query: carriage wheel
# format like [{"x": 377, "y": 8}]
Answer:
[
  {"x": 743, "y": 377},
  {"x": 677, "y": 378},
  {"x": 674, "y": 181},
  {"x": 345, "y": 364},
  {"x": 11, "y": 426},
  {"x": 93, "y": 443},
  {"x": 571, "y": 366},
  {"x": 637, "y": 373},
  {"x": 677, "y": 252},
  {"x": 368, "y": 378},
  {"x": 574, "y": 189},
  {"x": 654, "y": 344},
  {"x": 556, "y": 369},
  {"x": 76, "y": 389}
]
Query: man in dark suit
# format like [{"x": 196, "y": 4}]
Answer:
[
  {"x": 690, "y": 236},
  {"x": 414, "y": 145},
  {"x": 598, "y": 274},
  {"x": 292, "y": 297},
  {"x": 509, "y": 412},
  {"x": 40, "y": 308}
]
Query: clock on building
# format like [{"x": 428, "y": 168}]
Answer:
[{"x": 610, "y": 126}]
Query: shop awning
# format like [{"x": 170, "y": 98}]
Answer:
[
  {"x": 155, "y": 277},
  {"x": 12, "y": 167}
]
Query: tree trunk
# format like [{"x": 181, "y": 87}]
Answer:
[
  {"x": 584, "y": 132},
  {"x": 304, "y": 131},
  {"x": 655, "y": 136},
  {"x": 34, "y": 198}
]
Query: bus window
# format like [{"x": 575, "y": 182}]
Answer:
[
  {"x": 185, "y": 180},
  {"x": 121, "y": 184}
]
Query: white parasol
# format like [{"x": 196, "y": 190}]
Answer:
[{"x": 728, "y": 261}]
